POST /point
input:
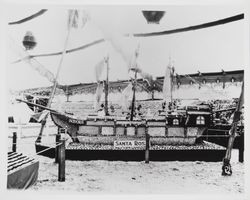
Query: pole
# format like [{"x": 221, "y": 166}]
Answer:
[
  {"x": 14, "y": 140},
  {"x": 171, "y": 84},
  {"x": 58, "y": 137},
  {"x": 133, "y": 99},
  {"x": 61, "y": 161},
  {"x": 106, "y": 87},
  {"x": 226, "y": 167},
  {"x": 43, "y": 123},
  {"x": 241, "y": 148}
]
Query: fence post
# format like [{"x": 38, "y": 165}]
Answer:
[
  {"x": 241, "y": 148},
  {"x": 61, "y": 161},
  {"x": 58, "y": 137},
  {"x": 14, "y": 140},
  {"x": 147, "y": 145}
]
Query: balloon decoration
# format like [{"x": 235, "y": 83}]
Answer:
[
  {"x": 153, "y": 17},
  {"x": 29, "y": 41}
]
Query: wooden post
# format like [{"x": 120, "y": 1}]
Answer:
[
  {"x": 14, "y": 142},
  {"x": 58, "y": 137},
  {"x": 147, "y": 146},
  {"x": 241, "y": 148},
  {"x": 226, "y": 167},
  {"x": 61, "y": 161}
]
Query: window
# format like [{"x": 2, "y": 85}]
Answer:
[
  {"x": 200, "y": 120},
  {"x": 175, "y": 122}
]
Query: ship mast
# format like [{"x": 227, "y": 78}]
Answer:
[
  {"x": 106, "y": 87},
  {"x": 171, "y": 83},
  {"x": 133, "y": 98},
  {"x": 53, "y": 91}
]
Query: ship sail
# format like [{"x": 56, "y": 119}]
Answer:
[
  {"x": 125, "y": 97},
  {"x": 167, "y": 86},
  {"x": 99, "y": 91},
  {"x": 101, "y": 86}
]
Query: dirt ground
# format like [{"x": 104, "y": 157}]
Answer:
[{"x": 105, "y": 177}]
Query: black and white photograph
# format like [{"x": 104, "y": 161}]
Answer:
[{"x": 126, "y": 99}]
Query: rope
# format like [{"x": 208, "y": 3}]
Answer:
[{"x": 47, "y": 149}]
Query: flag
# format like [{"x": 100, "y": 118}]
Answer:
[
  {"x": 99, "y": 69},
  {"x": 77, "y": 18},
  {"x": 125, "y": 96},
  {"x": 99, "y": 91},
  {"x": 167, "y": 86}
]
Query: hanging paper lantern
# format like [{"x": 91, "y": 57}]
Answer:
[
  {"x": 153, "y": 17},
  {"x": 29, "y": 41}
]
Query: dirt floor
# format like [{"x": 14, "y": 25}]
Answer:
[{"x": 119, "y": 177}]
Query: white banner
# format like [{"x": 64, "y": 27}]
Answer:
[{"x": 129, "y": 144}]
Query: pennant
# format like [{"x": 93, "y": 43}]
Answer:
[
  {"x": 99, "y": 91},
  {"x": 99, "y": 69}
]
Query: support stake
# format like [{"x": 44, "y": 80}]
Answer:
[
  {"x": 61, "y": 161},
  {"x": 147, "y": 146},
  {"x": 58, "y": 137},
  {"x": 241, "y": 148}
]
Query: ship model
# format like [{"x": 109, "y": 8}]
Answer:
[{"x": 177, "y": 133}]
